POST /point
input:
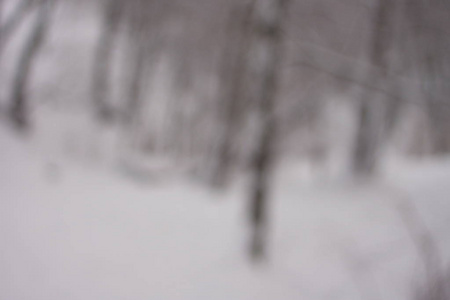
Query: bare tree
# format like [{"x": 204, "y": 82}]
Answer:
[
  {"x": 428, "y": 23},
  {"x": 112, "y": 10},
  {"x": 265, "y": 65},
  {"x": 1, "y": 21},
  {"x": 233, "y": 79},
  {"x": 19, "y": 97},
  {"x": 135, "y": 85},
  {"x": 184, "y": 76},
  {"x": 370, "y": 112},
  {"x": 141, "y": 22},
  {"x": 10, "y": 24}
]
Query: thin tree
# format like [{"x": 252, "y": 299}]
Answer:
[
  {"x": 370, "y": 111},
  {"x": 265, "y": 66},
  {"x": 233, "y": 79},
  {"x": 428, "y": 22},
  {"x": 135, "y": 85},
  {"x": 19, "y": 97},
  {"x": 10, "y": 24},
  {"x": 1, "y": 21},
  {"x": 145, "y": 20},
  {"x": 103, "y": 57}
]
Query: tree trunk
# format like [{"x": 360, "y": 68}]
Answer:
[
  {"x": 365, "y": 152},
  {"x": 370, "y": 126},
  {"x": 430, "y": 51},
  {"x": 439, "y": 126},
  {"x": 10, "y": 24},
  {"x": 265, "y": 66},
  {"x": 436, "y": 91},
  {"x": 1, "y": 23},
  {"x": 232, "y": 94},
  {"x": 103, "y": 60},
  {"x": 135, "y": 84},
  {"x": 19, "y": 97}
]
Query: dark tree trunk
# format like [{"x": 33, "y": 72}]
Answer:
[
  {"x": 104, "y": 60},
  {"x": 19, "y": 97},
  {"x": 265, "y": 68}
]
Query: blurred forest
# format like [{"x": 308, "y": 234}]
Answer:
[
  {"x": 218, "y": 90},
  {"x": 182, "y": 78}
]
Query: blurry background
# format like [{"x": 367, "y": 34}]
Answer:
[{"x": 224, "y": 149}]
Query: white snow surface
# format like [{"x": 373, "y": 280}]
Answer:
[{"x": 71, "y": 231}]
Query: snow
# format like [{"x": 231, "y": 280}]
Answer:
[
  {"x": 91, "y": 236},
  {"x": 74, "y": 232},
  {"x": 74, "y": 224}
]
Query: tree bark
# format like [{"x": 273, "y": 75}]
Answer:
[
  {"x": 10, "y": 24},
  {"x": 104, "y": 60},
  {"x": 19, "y": 97},
  {"x": 135, "y": 88},
  {"x": 265, "y": 66},
  {"x": 370, "y": 111},
  {"x": 1, "y": 23},
  {"x": 430, "y": 52},
  {"x": 232, "y": 94}
]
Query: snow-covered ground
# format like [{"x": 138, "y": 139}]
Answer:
[{"x": 68, "y": 231}]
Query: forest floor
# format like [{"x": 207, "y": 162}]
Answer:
[{"x": 68, "y": 231}]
